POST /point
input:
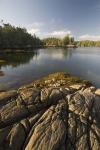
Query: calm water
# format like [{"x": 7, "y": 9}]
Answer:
[{"x": 22, "y": 68}]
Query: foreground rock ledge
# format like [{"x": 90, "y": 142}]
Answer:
[{"x": 58, "y": 112}]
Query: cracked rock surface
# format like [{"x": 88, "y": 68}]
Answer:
[{"x": 50, "y": 118}]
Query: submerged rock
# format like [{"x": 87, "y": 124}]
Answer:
[
  {"x": 1, "y": 73},
  {"x": 37, "y": 117}
]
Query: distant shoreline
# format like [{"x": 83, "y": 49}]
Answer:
[
  {"x": 25, "y": 50},
  {"x": 33, "y": 48},
  {"x": 14, "y": 50}
]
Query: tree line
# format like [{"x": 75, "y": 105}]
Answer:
[
  {"x": 12, "y": 37},
  {"x": 67, "y": 40},
  {"x": 16, "y": 37},
  {"x": 88, "y": 43}
]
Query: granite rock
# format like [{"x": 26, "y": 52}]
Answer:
[{"x": 50, "y": 118}]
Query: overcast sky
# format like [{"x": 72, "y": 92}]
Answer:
[{"x": 80, "y": 18}]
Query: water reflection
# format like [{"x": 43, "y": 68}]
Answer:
[
  {"x": 15, "y": 59},
  {"x": 22, "y": 68}
]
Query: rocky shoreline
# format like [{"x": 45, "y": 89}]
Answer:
[{"x": 57, "y": 112}]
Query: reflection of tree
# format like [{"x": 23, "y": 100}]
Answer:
[
  {"x": 15, "y": 59},
  {"x": 64, "y": 52},
  {"x": 67, "y": 53}
]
